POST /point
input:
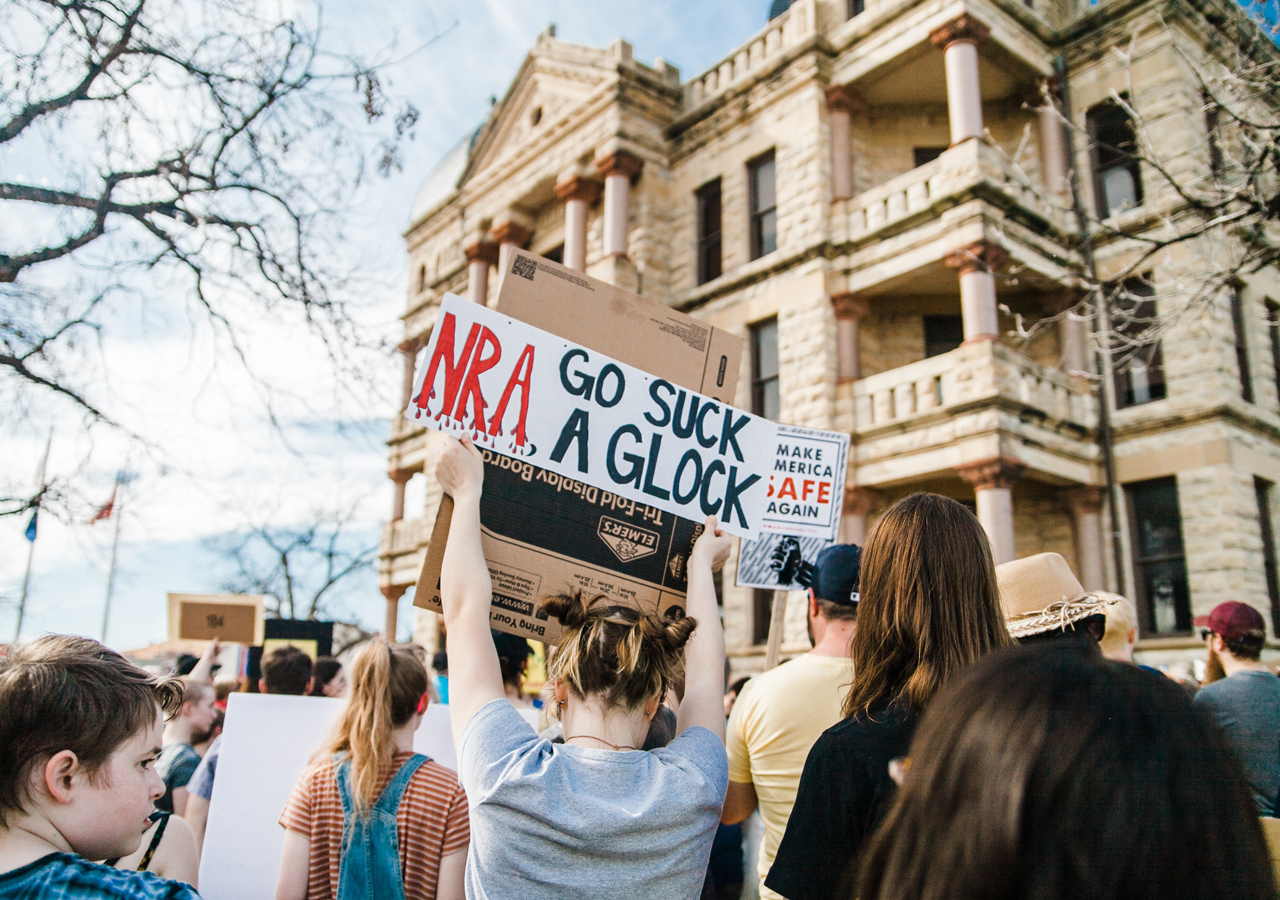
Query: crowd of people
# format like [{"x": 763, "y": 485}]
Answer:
[{"x": 958, "y": 730}]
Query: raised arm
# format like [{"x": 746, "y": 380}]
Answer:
[
  {"x": 703, "y": 702},
  {"x": 466, "y": 591}
]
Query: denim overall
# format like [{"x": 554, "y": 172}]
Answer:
[{"x": 370, "y": 866}]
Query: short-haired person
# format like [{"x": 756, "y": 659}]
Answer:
[
  {"x": 285, "y": 670},
  {"x": 929, "y": 608},
  {"x": 371, "y": 818},
  {"x": 594, "y": 816},
  {"x": 1245, "y": 703},
  {"x": 1049, "y": 774},
  {"x": 328, "y": 678},
  {"x": 1045, "y": 604},
  {"x": 1121, "y": 634},
  {"x": 781, "y": 713},
  {"x": 179, "y": 759},
  {"x": 80, "y": 730}
]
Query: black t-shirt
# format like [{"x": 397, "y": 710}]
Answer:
[
  {"x": 175, "y": 764},
  {"x": 844, "y": 791}
]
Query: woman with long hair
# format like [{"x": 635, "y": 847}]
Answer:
[
  {"x": 929, "y": 608},
  {"x": 371, "y": 818},
  {"x": 1054, "y": 774},
  {"x": 595, "y": 816}
]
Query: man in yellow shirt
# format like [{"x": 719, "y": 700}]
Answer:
[{"x": 780, "y": 714}]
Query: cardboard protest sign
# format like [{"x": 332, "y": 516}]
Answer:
[
  {"x": 582, "y": 415},
  {"x": 267, "y": 742},
  {"x": 778, "y": 562},
  {"x": 806, "y": 483},
  {"x": 543, "y": 534},
  {"x": 622, "y": 325},
  {"x": 233, "y": 618}
]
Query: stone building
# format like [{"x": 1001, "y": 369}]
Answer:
[{"x": 876, "y": 196}]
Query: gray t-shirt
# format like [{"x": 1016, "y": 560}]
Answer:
[
  {"x": 559, "y": 820},
  {"x": 1247, "y": 708}
]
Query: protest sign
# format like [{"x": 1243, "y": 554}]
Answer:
[
  {"x": 543, "y": 534},
  {"x": 233, "y": 618},
  {"x": 622, "y": 325},
  {"x": 592, "y": 419},
  {"x": 267, "y": 742},
  {"x": 778, "y": 562},
  {"x": 806, "y": 483}
]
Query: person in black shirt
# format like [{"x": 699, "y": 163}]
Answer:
[
  {"x": 1052, "y": 774},
  {"x": 929, "y": 608}
]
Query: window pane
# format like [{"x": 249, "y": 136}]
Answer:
[
  {"x": 942, "y": 334},
  {"x": 709, "y": 209},
  {"x": 767, "y": 349},
  {"x": 1165, "y": 585},
  {"x": 768, "y": 232},
  {"x": 764, "y": 195},
  {"x": 771, "y": 401},
  {"x": 1119, "y": 189},
  {"x": 1160, "y": 569}
]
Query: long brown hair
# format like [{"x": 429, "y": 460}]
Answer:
[
  {"x": 614, "y": 651},
  {"x": 929, "y": 605},
  {"x": 1056, "y": 774},
  {"x": 387, "y": 684}
]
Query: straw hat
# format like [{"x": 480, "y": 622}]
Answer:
[{"x": 1040, "y": 593}]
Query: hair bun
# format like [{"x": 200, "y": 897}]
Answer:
[
  {"x": 568, "y": 609},
  {"x": 670, "y": 632}
]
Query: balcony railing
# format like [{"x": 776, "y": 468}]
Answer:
[
  {"x": 971, "y": 374},
  {"x": 956, "y": 171},
  {"x": 793, "y": 26},
  {"x": 405, "y": 536}
]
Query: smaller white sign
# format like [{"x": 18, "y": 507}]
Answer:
[
  {"x": 779, "y": 562},
  {"x": 805, "y": 494}
]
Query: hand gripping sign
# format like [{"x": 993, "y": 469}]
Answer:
[{"x": 527, "y": 394}]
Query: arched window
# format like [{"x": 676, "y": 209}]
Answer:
[{"x": 1117, "y": 178}]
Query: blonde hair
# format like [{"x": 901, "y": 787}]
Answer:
[
  {"x": 387, "y": 684},
  {"x": 616, "y": 652},
  {"x": 1122, "y": 618}
]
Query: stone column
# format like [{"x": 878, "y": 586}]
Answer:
[
  {"x": 1073, "y": 333},
  {"x": 992, "y": 481},
  {"x": 393, "y": 593},
  {"x": 401, "y": 478},
  {"x": 480, "y": 256},
  {"x": 578, "y": 193},
  {"x": 959, "y": 41},
  {"x": 1085, "y": 505},
  {"x": 842, "y": 102},
  {"x": 409, "y": 349},
  {"x": 510, "y": 233},
  {"x": 618, "y": 168},
  {"x": 858, "y": 501},
  {"x": 976, "y": 264},
  {"x": 849, "y": 309},
  {"x": 1053, "y": 145}
]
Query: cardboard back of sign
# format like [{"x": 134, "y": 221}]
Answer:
[
  {"x": 232, "y": 618},
  {"x": 630, "y": 328}
]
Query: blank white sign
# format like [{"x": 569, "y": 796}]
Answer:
[{"x": 267, "y": 742}]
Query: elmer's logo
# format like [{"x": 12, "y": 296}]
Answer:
[{"x": 627, "y": 542}]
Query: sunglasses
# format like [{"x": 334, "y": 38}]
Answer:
[{"x": 1205, "y": 633}]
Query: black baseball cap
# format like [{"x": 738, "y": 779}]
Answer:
[{"x": 836, "y": 574}]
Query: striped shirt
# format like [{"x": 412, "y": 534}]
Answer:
[{"x": 431, "y": 822}]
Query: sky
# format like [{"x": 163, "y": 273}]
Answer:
[{"x": 225, "y": 466}]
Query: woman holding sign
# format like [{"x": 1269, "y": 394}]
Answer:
[{"x": 594, "y": 816}]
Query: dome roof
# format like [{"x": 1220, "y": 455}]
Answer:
[{"x": 443, "y": 180}]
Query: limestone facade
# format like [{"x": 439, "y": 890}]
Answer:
[{"x": 901, "y": 308}]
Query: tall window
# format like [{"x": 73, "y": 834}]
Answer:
[
  {"x": 708, "y": 202},
  {"x": 854, "y": 7},
  {"x": 1242, "y": 344},
  {"x": 1117, "y": 181},
  {"x": 1211, "y": 127},
  {"x": 1273, "y": 331},
  {"x": 762, "y": 614},
  {"x": 764, "y": 206},
  {"x": 942, "y": 334},
  {"x": 1139, "y": 362},
  {"x": 765, "y": 398},
  {"x": 1160, "y": 563},
  {"x": 422, "y": 279},
  {"x": 1263, "y": 490}
]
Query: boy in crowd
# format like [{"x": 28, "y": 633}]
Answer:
[
  {"x": 80, "y": 731},
  {"x": 178, "y": 759}
]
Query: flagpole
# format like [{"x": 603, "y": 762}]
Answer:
[
  {"x": 118, "y": 495},
  {"x": 31, "y": 549}
]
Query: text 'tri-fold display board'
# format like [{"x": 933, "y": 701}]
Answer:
[
  {"x": 232, "y": 618},
  {"x": 546, "y": 531}
]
